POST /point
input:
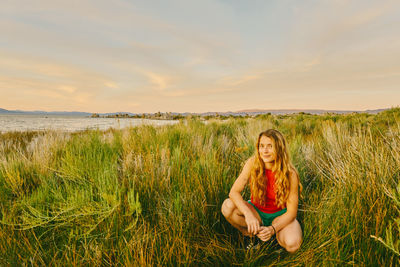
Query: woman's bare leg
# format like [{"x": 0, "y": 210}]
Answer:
[
  {"x": 235, "y": 217},
  {"x": 290, "y": 237}
]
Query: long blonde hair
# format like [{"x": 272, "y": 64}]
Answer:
[{"x": 281, "y": 168}]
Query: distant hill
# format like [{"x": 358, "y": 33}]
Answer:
[
  {"x": 40, "y": 112},
  {"x": 5, "y": 111},
  {"x": 228, "y": 113}
]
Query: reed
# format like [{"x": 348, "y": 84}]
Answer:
[{"x": 152, "y": 195}]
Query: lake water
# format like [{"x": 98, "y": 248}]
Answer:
[{"x": 69, "y": 123}]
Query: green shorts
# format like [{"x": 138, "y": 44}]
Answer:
[{"x": 267, "y": 218}]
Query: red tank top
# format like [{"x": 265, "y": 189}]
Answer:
[{"x": 270, "y": 196}]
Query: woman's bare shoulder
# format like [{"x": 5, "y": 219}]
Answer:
[
  {"x": 249, "y": 162},
  {"x": 246, "y": 170}
]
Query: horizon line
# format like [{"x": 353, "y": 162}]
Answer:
[{"x": 237, "y": 111}]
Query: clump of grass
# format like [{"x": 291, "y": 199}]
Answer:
[{"x": 152, "y": 195}]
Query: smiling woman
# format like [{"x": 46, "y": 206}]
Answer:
[{"x": 274, "y": 185}]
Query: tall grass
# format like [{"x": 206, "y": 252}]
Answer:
[{"x": 152, "y": 195}]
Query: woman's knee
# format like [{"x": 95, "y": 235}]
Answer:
[
  {"x": 227, "y": 207},
  {"x": 290, "y": 237},
  {"x": 292, "y": 244}
]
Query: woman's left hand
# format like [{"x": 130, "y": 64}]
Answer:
[{"x": 265, "y": 233}]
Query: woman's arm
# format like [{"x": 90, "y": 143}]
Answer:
[
  {"x": 253, "y": 225},
  {"x": 291, "y": 204}
]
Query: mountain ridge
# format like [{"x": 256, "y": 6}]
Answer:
[{"x": 227, "y": 113}]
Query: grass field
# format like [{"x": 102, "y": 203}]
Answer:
[{"x": 152, "y": 195}]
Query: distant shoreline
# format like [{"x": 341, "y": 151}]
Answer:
[{"x": 176, "y": 116}]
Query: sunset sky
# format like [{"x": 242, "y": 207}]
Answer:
[{"x": 198, "y": 56}]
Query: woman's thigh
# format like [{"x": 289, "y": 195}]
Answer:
[{"x": 291, "y": 235}]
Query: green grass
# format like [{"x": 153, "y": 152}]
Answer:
[{"x": 152, "y": 195}]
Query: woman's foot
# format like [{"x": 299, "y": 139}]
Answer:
[{"x": 251, "y": 243}]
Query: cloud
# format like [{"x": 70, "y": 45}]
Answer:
[
  {"x": 309, "y": 65},
  {"x": 67, "y": 88},
  {"x": 234, "y": 81},
  {"x": 159, "y": 82},
  {"x": 370, "y": 14},
  {"x": 45, "y": 67},
  {"x": 354, "y": 23},
  {"x": 177, "y": 93},
  {"x": 111, "y": 85},
  {"x": 33, "y": 77}
]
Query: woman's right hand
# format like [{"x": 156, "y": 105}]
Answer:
[
  {"x": 265, "y": 233},
  {"x": 253, "y": 225}
]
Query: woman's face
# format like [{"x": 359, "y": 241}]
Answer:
[{"x": 266, "y": 149}]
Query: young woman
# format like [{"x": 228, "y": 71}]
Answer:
[{"x": 274, "y": 186}]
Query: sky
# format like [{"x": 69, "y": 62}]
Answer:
[{"x": 198, "y": 56}]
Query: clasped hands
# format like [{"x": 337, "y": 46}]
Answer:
[{"x": 262, "y": 232}]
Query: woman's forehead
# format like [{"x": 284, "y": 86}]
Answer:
[{"x": 266, "y": 140}]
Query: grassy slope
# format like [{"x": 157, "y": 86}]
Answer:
[{"x": 152, "y": 196}]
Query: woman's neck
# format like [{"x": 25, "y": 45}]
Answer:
[{"x": 269, "y": 165}]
